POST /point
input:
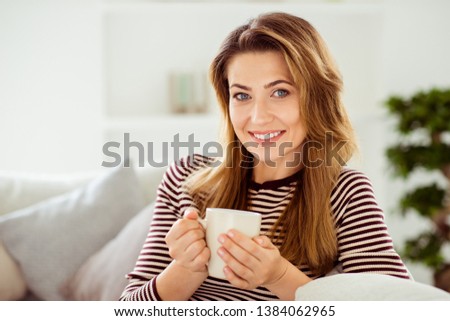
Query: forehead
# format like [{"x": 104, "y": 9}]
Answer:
[{"x": 253, "y": 66}]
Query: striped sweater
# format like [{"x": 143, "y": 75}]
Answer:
[{"x": 364, "y": 245}]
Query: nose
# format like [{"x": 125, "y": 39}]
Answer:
[{"x": 261, "y": 113}]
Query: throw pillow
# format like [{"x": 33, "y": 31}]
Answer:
[
  {"x": 102, "y": 276},
  {"x": 12, "y": 284},
  {"x": 50, "y": 240}
]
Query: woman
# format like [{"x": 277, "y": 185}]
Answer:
[{"x": 287, "y": 138}]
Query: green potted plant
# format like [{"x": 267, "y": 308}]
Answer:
[{"x": 423, "y": 124}]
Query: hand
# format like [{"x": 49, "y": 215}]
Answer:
[
  {"x": 250, "y": 262},
  {"x": 186, "y": 242}
]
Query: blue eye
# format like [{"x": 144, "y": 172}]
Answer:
[
  {"x": 241, "y": 96},
  {"x": 280, "y": 93}
]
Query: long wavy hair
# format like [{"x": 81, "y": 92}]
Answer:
[{"x": 305, "y": 232}]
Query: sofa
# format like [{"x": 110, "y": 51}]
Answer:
[{"x": 75, "y": 237}]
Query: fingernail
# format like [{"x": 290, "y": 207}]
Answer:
[
  {"x": 220, "y": 252},
  {"x": 230, "y": 233},
  {"x": 221, "y": 239}
]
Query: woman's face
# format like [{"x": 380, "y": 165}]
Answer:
[{"x": 264, "y": 107}]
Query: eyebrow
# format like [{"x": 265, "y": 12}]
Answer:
[{"x": 269, "y": 85}]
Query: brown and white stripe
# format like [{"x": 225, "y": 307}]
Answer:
[{"x": 363, "y": 241}]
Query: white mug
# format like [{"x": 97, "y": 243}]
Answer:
[{"x": 221, "y": 220}]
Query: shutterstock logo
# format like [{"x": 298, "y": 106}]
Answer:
[{"x": 306, "y": 154}]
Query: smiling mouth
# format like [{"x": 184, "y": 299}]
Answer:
[{"x": 272, "y": 136}]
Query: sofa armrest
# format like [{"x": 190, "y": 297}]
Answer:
[{"x": 368, "y": 287}]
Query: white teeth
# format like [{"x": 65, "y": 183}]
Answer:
[{"x": 267, "y": 136}]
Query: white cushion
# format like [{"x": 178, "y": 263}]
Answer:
[
  {"x": 368, "y": 287},
  {"x": 51, "y": 239},
  {"x": 116, "y": 259}
]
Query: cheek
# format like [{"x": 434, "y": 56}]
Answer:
[
  {"x": 296, "y": 125},
  {"x": 238, "y": 119}
]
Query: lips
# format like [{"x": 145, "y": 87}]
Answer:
[{"x": 266, "y": 136}]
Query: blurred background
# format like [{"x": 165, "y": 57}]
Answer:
[{"x": 78, "y": 74}]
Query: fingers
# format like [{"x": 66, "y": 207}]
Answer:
[
  {"x": 239, "y": 247},
  {"x": 201, "y": 259},
  {"x": 184, "y": 225},
  {"x": 252, "y": 246},
  {"x": 239, "y": 272},
  {"x": 180, "y": 228},
  {"x": 194, "y": 248},
  {"x": 187, "y": 246},
  {"x": 186, "y": 241},
  {"x": 235, "y": 280},
  {"x": 191, "y": 213},
  {"x": 241, "y": 265},
  {"x": 263, "y": 241},
  {"x": 250, "y": 262}
]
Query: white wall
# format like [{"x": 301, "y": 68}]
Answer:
[
  {"x": 417, "y": 47},
  {"x": 50, "y": 85}
]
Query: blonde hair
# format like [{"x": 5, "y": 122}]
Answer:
[{"x": 307, "y": 228}]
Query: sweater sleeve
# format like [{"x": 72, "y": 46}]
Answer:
[
  {"x": 364, "y": 243},
  {"x": 154, "y": 256}
]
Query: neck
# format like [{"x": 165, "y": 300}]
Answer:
[{"x": 264, "y": 172}]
